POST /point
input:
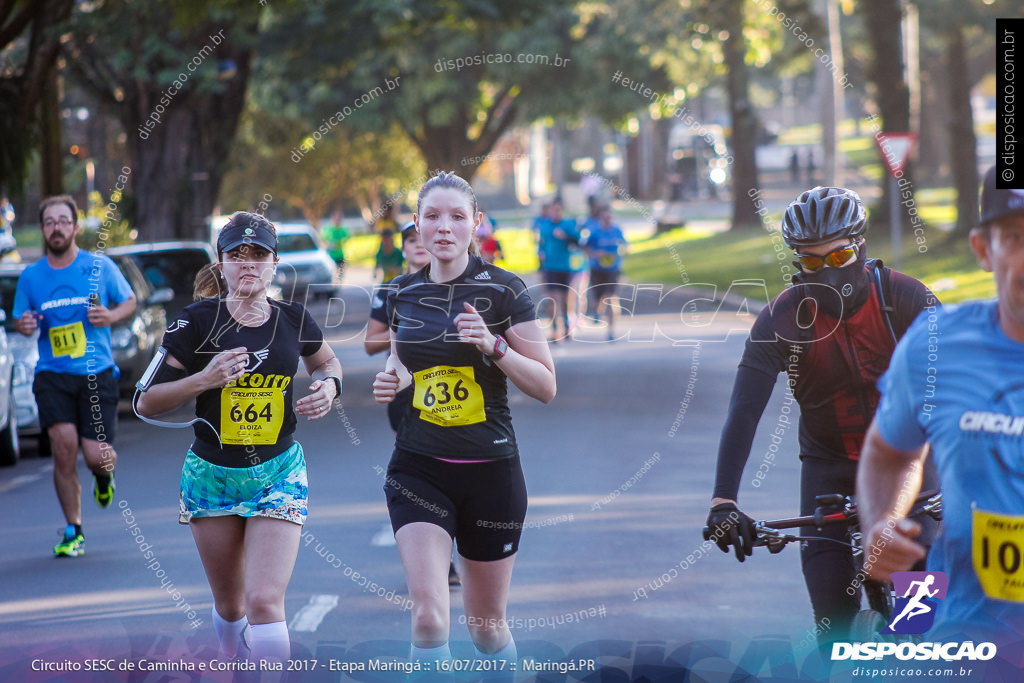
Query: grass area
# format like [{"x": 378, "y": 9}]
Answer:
[
  {"x": 29, "y": 237},
  {"x": 721, "y": 259},
  {"x": 517, "y": 245},
  {"x": 687, "y": 256}
]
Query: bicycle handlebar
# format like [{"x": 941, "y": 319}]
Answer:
[{"x": 927, "y": 502}]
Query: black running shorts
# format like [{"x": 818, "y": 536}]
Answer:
[
  {"x": 481, "y": 505},
  {"x": 399, "y": 407},
  {"x": 87, "y": 401},
  {"x": 557, "y": 279}
]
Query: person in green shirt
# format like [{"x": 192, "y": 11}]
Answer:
[{"x": 334, "y": 235}]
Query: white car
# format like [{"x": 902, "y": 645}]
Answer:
[{"x": 305, "y": 270}]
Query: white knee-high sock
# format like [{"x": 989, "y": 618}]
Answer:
[
  {"x": 508, "y": 654},
  {"x": 229, "y": 635},
  {"x": 270, "y": 641},
  {"x": 430, "y": 653}
]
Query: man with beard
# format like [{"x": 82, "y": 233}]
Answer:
[
  {"x": 833, "y": 333},
  {"x": 72, "y": 296}
]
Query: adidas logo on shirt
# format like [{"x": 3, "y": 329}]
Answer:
[
  {"x": 483, "y": 276},
  {"x": 507, "y": 548}
]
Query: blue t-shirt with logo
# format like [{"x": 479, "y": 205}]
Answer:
[
  {"x": 956, "y": 381},
  {"x": 556, "y": 252},
  {"x": 68, "y": 342},
  {"x": 605, "y": 245}
]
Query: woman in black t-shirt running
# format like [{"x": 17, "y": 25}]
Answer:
[
  {"x": 243, "y": 484},
  {"x": 461, "y": 327}
]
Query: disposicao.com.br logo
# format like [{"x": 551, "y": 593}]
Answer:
[
  {"x": 914, "y": 612},
  {"x": 917, "y": 595}
]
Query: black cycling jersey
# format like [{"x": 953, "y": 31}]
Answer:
[
  {"x": 832, "y": 367},
  {"x": 460, "y": 402},
  {"x": 253, "y": 414}
]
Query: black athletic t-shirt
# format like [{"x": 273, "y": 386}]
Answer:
[
  {"x": 460, "y": 400},
  {"x": 254, "y": 414},
  {"x": 832, "y": 368},
  {"x": 378, "y": 310}
]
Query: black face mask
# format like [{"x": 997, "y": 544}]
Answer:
[{"x": 847, "y": 290}]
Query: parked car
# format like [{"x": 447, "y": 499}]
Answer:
[
  {"x": 25, "y": 352},
  {"x": 12, "y": 377},
  {"x": 170, "y": 264},
  {"x": 135, "y": 339},
  {"x": 304, "y": 261}
]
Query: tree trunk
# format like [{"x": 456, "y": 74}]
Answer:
[
  {"x": 26, "y": 87},
  {"x": 884, "y": 21},
  {"x": 215, "y": 121},
  {"x": 447, "y": 147},
  {"x": 159, "y": 176},
  {"x": 744, "y": 120},
  {"x": 51, "y": 140},
  {"x": 178, "y": 162},
  {"x": 962, "y": 142}
]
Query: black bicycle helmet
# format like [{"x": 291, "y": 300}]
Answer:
[{"x": 821, "y": 215}]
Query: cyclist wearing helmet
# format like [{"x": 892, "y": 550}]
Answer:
[{"x": 829, "y": 333}]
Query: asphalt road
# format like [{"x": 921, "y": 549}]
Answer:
[{"x": 619, "y": 469}]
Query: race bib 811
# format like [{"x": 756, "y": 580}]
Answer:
[
  {"x": 68, "y": 340},
  {"x": 448, "y": 396}
]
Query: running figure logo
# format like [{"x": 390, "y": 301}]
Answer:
[{"x": 914, "y": 613}]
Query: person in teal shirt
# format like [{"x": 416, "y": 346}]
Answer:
[
  {"x": 604, "y": 242},
  {"x": 72, "y": 297}
]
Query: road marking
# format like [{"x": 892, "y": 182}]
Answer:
[
  {"x": 385, "y": 537},
  {"x": 24, "y": 479},
  {"x": 309, "y": 617}
]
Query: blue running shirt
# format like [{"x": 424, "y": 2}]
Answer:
[
  {"x": 957, "y": 381},
  {"x": 68, "y": 343}
]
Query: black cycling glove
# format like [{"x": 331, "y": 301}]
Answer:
[{"x": 728, "y": 526}]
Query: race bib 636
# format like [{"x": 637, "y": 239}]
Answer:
[{"x": 448, "y": 396}]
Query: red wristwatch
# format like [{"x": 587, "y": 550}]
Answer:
[{"x": 500, "y": 347}]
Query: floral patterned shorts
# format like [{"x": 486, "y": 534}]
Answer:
[{"x": 276, "y": 488}]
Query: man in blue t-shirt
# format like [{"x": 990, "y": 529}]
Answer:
[
  {"x": 956, "y": 383},
  {"x": 72, "y": 297},
  {"x": 603, "y": 243},
  {"x": 558, "y": 236}
]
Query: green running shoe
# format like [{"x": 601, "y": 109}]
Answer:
[
  {"x": 73, "y": 544},
  {"x": 103, "y": 489}
]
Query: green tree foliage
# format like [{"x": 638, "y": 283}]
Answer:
[
  {"x": 29, "y": 45},
  {"x": 176, "y": 75},
  {"x": 347, "y": 167},
  {"x": 725, "y": 43},
  {"x": 962, "y": 36},
  {"x": 457, "y": 91}
]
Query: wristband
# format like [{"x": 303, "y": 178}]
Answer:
[{"x": 337, "y": 384}]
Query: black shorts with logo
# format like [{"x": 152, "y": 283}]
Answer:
[
  {"x": 87, "y": 401},
  {"x": 481, "y": 505}
]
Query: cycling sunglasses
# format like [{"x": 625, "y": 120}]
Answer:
[{"x": 836, "y": 258}]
